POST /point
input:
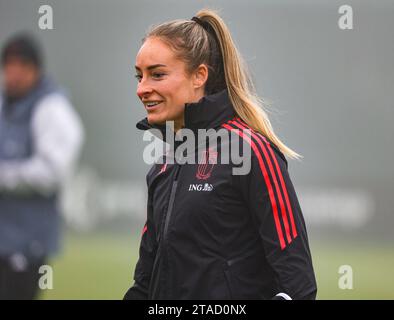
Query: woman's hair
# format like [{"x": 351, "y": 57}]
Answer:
[{"x": 209, "y": 42}]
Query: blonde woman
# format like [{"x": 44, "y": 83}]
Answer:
[{"x": 211, "y": 234}]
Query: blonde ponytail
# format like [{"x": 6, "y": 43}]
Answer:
[{"x": 247, "y": 104}]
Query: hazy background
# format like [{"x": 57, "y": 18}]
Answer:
[{"x": 332, "y": 101}]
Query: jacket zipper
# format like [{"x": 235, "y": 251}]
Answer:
[
  {"x": 171, "y": 202},
  {"x": 162, "y": 238}
]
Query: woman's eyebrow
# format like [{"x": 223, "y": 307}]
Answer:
[{"x": 152, "y": 66}]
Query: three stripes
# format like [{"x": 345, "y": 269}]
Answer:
[{"x": 273, "y": 178}]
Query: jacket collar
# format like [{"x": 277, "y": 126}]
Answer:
[{"x": 209, "y": 112}]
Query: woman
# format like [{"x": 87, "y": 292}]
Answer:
[{"x": 211, "y": 234}]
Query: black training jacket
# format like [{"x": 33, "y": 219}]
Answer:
[{"x": 211, "y": 234}]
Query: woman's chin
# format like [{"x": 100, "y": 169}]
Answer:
[{"x": 154, "y": 120}]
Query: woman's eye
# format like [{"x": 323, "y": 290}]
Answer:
[
  {"x": 157, "y": 75},
  {"x": 138, "y": 77}
]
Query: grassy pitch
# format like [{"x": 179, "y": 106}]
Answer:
[{"x": 101, "y": 266}]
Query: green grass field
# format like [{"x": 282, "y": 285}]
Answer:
[{"x": 101, "y": 267}]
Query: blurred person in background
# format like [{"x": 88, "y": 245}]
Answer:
[{"x": 40, "y": 140}]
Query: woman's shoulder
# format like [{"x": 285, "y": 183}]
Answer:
[{"x": 260, "y": 146}]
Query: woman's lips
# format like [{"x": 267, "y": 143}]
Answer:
[{"x": 153, "y": 107}]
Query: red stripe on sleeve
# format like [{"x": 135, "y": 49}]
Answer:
[
  {"x": 289, "y": 208},
  {"x": 144, "y": 229},
  {"x": 271, "y": 169},
  {"x": 283, "y": 185},
  {"x": 267, "y": 181}
]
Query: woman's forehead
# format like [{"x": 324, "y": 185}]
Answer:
[{"x": 155, "y": 51}]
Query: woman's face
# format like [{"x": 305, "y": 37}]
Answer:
[{"x": 163, "y": 83}]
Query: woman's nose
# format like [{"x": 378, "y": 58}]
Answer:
[{"x": 143, "y": 89}]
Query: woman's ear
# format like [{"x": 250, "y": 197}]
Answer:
[{"x": 200, "y": 76}]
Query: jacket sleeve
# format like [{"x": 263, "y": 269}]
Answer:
[
  {"x": 275, "y": 211},
  {"x": 147, "y": 254}
]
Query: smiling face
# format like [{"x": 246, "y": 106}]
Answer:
[{"x": 164, "y": 85}]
